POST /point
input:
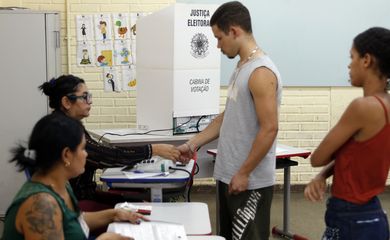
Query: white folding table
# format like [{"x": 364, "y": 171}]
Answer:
[
  {"x": 117, "y": 178},
  {"x": 193, "y": 215}
]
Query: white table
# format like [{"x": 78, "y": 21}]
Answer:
[
  {"x": 125, "y": 136},
  {"x": 116, "y": 178},
  {"x": 194, "y": 216},
  {"x": 210, "y": 237},
  {"x": 206, "y": 163}
]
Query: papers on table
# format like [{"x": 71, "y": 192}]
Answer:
[
  {"x": 153, "y": 230},
  {"x": 118, "y": 171},
  {"x": 134, "y": 175},
  {"x": 280, "y": 149}
]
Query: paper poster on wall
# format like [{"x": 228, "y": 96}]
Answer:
[
  {"x": 133, "y": 26},
  {"x": 122, "y": 52},
  {"x": 85, "y": 54},
  {"x": 104, "y": 53},
  {"x": 121, "y": 25},
  {"x": 111, "y": 80},
  {"x": 143, "y": 14},
  {"x": 84, "y": 28},
  {"x": 103, "y": 27},
  {"x": 129, "y": 81},
  {"x": 133, "y": 51}
]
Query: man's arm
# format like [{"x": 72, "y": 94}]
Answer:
[
  {"x": 262, "y": 85},
  {"x": 210, "y": 133}
]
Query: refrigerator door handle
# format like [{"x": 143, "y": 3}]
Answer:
[{"x": 57, "y": 36}]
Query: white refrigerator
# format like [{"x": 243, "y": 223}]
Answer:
[{"x": 29, "y": 55}]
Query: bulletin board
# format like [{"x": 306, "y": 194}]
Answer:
[{"x": 308, "y": 40}]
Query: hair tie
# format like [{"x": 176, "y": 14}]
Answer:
[
  {"x": 52, "y": 81},
  {"x": 28, "y": 153}
]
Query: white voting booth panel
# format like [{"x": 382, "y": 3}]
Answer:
[{"x": 178, "y": 67}]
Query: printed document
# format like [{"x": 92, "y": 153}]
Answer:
[{"x": 153, "y": 230}]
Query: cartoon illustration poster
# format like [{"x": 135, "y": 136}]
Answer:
[
  {"x": 129, "y": 81},
  {"x": 111, "y": 80},
  {"x": 133, "y": 26},
  {"x": 103, "y": 27},
  {"x": 122, "y": 52},
  {"x": 133, "y": 51},
  {"x": 85, "y": 54},
  {"x": 121, "y": 25},
  {"x": 104, "y": 53},
  {"x": 84, "y": 28}
]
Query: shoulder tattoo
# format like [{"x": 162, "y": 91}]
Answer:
[{"x": 41, "y": 217}]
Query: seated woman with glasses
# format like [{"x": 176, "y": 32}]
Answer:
[
  {"x": 69, "y": 95},
  {"x": 45, "y": 206}
]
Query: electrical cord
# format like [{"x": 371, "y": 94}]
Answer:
[
  {"x": 144, "y": 133},
  {"x": 198, "y": 122},
  {"x": 190, "y": 180},
  {"x": 196, "y": 168},
  {"x": 181, "y": 169}
]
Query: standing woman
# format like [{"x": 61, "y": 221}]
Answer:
[
  {"x": 45, "y": 206},
  {"x": 69, "y": 95},
  {"x": 357, "y": 150}
]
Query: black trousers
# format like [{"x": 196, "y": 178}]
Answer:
[{"x": 245, "y": 215}]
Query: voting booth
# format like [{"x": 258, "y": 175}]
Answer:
[{"x": 178, "y": 69}]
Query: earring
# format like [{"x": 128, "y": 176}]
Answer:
[
  {"x": 67, "y": 164},
  {"x": 388, "y": 84}
]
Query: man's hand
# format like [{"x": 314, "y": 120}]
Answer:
[
  {"x": 239, "y": 183},
  {"x": 186, "y": 153}
]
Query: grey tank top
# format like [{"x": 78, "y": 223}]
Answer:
[{"x": 240, "y": 126}]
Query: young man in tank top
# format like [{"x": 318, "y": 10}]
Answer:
[
  {"x": 356, "y": 151},
  {"x": 247, "y": 129}
]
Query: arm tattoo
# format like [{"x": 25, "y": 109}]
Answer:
[{"x": 40, "y": 217}]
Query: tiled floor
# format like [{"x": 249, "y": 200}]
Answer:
[{"x": 306, "y": 218}]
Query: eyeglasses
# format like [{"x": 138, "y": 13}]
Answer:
[{"x": 87, "y": 97}]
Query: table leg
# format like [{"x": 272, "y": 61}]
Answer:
[
  {"x": 286, "y": 199},
  {"x": 286, "y": 207},
  {"x": 156, "y": 194},
  {"x": 285, "y": 234},
  {"x": 217, "y": 207}
]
